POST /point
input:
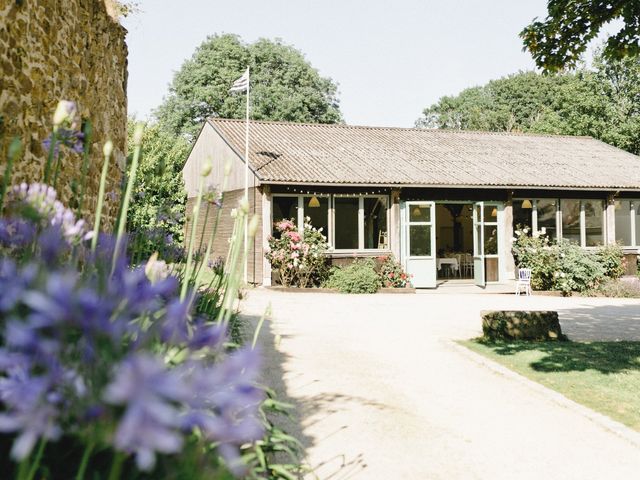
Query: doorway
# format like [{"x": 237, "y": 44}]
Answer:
[{"x": 454, "y": 242}]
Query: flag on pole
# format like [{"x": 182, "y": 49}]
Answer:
[{"x": 241, "y": 84}]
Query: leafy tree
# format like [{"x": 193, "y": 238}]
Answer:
[
  {"x": 284, "y": 86},
  {"x": 559, "y": 41},
  {"x": 603, "y": 103},
  {"x": 158, "y": 205}
]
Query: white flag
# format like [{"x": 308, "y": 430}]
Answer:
[{"x": 241, "y": 84}]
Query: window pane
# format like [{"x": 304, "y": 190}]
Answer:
[
  {"x": 490, "y": 213},
  {"x": 420, "y": 240},
  {"x": 571, "y": 220},
  {"x": 375, "y": 223},
  {"x": 593, "y": 211},
  {"x": 522, "y": 216},
  {"x": 284, "y": 208},
  {"x": 420, "y": 213},
  {"x": 346, "y": 225},
  {"x": 623, "y": 222},
  {"x": 490, "y": 240},
  {"x": 318, "y": 213},
  {"x": 547, "y": 217}
]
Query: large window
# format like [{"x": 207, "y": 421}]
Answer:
[
  {"x": 593, "y": 222},
  {"x": 546, "y": 217},
  {"x": 346, "y": 222},
  {"x": 579, "y": 221},
  {"x": 375, "y": 222},
  {"x": 628, "y": 222},
  {"x": 623, "y": 222},
  {"x": 570, "y": 220},
  {"x": 316, "y": 208},
  {"x": 284, "y": 207}
]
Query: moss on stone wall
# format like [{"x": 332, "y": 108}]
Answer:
[{"x": 62, "y": 49}]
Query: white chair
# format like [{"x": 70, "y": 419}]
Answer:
[
  {"x": 467, "y": 265},
  {"x": 524, "y": 280}
]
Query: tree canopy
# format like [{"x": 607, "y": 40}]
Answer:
[
  {"x": 603, "y": 103},
  {"x": 157, "y": 209},
  {"x": 559, "y": 41},
  {"x": 284, "y": 86}
]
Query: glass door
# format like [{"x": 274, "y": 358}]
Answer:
[
  {"x": 478, "y": 245},
  {"x": 420, "y": 234}
]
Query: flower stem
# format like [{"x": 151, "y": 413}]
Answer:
[
  {"x": 192, "y": 239},
  {"x": 116, "y": 466},
  {"x": 88, "y": 130},
  {"x": 50, "y": 156},
  {"x": 85, "y": 461},
  {"x": 103, "y": 181},
  {"x": 122, "y": 221},
  {"x": 36, "y": 462},
  {"x": 56, "y": 170}
]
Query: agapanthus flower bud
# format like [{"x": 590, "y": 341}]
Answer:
[
  {"x": 65, "y": 111},
  {"x": 253, "y": 225},
  {"x": 244, "y": 205},
  {"x": 108, "y": 148},
  {"x": 206, "y": 168},
  {"x": 137, "y": 134}
]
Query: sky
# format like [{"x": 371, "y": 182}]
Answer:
[{"x": 391, "y": 59}]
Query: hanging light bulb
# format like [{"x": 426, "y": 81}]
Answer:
[
  {"x": 416, "y": 212},
  {"x": 494, "y": 212},
  {"x": 314, "y": 202},
  {"x": 526, "y": 204}
]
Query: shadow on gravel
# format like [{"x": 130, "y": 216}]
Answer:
[
  {"x": 604, "y": 357},
  {"x": 602, "y": 322},
  {"x": 303, "y": 408}
]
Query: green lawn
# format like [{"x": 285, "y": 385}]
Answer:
[{"x": 604, "y": 376}]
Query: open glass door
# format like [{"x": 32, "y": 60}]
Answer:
[
  {"x": 478, "y": 245},
  {"x": 419, "y": 224}
]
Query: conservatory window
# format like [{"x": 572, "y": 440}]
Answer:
[
  {"x": 346, "y": 213},
  {"x": 360, "y": 223}
]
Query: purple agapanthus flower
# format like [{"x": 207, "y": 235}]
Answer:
[
  {"x": 72, "y": 139},
  {"x": 42, "y": 200},
  {"x": 149, "y": 391}
]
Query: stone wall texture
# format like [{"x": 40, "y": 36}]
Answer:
[{"x": 53, "y": 50}]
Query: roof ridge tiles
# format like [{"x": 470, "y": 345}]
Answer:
[{"x": 383, "y": 128}]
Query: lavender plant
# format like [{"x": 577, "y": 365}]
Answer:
[{"x": 114, "y": 364}]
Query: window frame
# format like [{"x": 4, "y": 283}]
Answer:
[
  {"x": 360, "y": 248},
  {"x": 330, "y": 234},
  {"x": 634, "y": 205},
  {"x": 558, "y": 219}
]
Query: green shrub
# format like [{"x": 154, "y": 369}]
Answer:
[
  {"x": 358, "y": 277},
  {"x": 612, "y": 260},
  {"x": 564, "y": 267},
  {"x": 515, "y": 325}
]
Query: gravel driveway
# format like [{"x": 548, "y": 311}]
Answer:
[{"x": 382, "y": 392}]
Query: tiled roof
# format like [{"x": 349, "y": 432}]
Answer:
[{"x": 341, "y": 154}]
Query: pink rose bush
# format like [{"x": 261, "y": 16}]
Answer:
[
  {"x": 391, "y": 273},
  {"x": 299, "y": 257}
]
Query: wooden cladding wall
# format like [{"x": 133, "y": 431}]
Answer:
[{"x": 225, "y": 229}]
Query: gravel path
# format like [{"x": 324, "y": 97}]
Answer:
[{"x": 381, "y": 391}]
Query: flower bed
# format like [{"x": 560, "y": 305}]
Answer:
[{"x": 113, "y": 369}]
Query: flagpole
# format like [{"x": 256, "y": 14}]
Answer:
[{"x": 246, "y": 181}]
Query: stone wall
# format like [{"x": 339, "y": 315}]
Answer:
[{"x": 62, "y": 49}]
